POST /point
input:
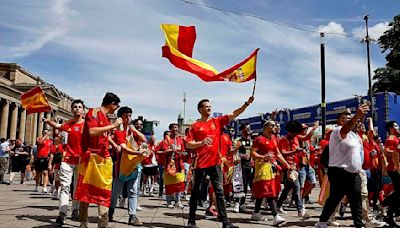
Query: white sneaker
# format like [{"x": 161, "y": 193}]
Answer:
[
  {"x": 333, "y": 223},
  {"x": 179, "y": 205},
  {"x": 258, "y": 217},
  {"x": 170, "y": 206},
  {"x": 45, "y": 190},
  {"x": 36, "y": 189},
  {"x": 187, "y": 198},
  {"x": 321, "y": 225},
  {"x": 281, "y": 211},
  {"x": 303, "y": 214},
  {"x": 278, "y": 220},
  {"x": 374, "y": 223},
  {"x": 139, "y": 208},
  {"x": 236, "y": 208},
  {"x": 145, "y": 193}
]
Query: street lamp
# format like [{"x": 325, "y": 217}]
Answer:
[{"x": 367, "y": 40}]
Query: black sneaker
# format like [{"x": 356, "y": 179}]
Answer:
[
  {"x": 229, "y": 225},
  {"x": 75, "y": 215},
  {"x": 191, "y": 224},
  {"x": 61, "y": 218},
  {"x": 111, "y": 214}
]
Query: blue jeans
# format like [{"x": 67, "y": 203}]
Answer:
[
  {"x": 161, "y": 180},
  {"x": 117, "y": 187},
  {"x": 177, "y": 198},
  {"x": 288, "y": 185},
  {"x": 307, "y": 173}
]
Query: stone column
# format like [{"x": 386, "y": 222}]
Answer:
[
  {"x": 22, "y": 125},
  {"x": 14, "y": 119},
  {"x": 4, "y": 119},
  {"x": 34, "y": 128},
  {"x": 41, "y": 124}
]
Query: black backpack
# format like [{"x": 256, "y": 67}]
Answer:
[{"x": 324, "y": 160}]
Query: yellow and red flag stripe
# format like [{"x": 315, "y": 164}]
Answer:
[
  {"x": 174, "y": 183},
  {"x": 95, "y": 180},
  {"x": 178, "y": 49},
  {"x": 34, "y": 101},
  {"x": 265, "y": 184}
]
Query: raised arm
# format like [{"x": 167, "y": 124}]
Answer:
[
  {"x": 347, "y": 127},
  {"x": 241, "y": 109},
  {"x": 96, "y": 131}
]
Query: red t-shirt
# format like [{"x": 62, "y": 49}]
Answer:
[
  {"x": 180, "y": 147},
  {"x": 95, "y": 144},
  {"x": 226, "y": 145},
  {"x": 368, "y": 147},
  {"x": 289, "y": 145},
  {"x": 44, "y": 148},
  {"x": 392, "y": 142},
  {"x": 162, "y": 146},
  {"x": 266, "y": 146},
  {"x": 57, "y": 149},
  {"x": 147, "y": 160},
  {"x": 207, "y": 156},
  {"x": 73, "y": 147}
]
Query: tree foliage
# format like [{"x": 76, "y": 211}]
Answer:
[{"x": 388, "y": 77}]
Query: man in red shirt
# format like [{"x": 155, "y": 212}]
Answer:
[
  {"x": 392, "y": 150},
  {"x": 72, "y": 130},
  {"x": 204, "y": 138},
  {"x": 95, "y": 167},
  {"x": 161, "y": 148},
  {"x": 42, "y": 163}
]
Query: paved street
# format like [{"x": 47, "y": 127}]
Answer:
[{"x": 21, "y": 207}]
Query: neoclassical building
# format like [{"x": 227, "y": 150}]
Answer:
[{"x": 14, "y": 122}]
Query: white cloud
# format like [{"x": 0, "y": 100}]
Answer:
[
  {"x": 117, "y": 47},
  {"x": 375, "y": 31},
  {"x": 332, "y": 27}
]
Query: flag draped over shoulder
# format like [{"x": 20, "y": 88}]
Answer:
[
  {"x": 178, "y": 49},
  {"x": 34, "y": 101}
]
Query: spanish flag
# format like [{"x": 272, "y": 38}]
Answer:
[
  {"x": 34, "y": 101},
  {"x": 265, "y": 183},
  {"x": 178, "y": 49}
]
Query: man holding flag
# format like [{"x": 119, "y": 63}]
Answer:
[{"x": 204, "y": 139}]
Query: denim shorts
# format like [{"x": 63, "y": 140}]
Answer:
[{"x": 307, "y": 172}]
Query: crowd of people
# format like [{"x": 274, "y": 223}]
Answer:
[{"x": 90, "y": 159}]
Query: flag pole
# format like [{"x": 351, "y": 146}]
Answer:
[{"x": 254, "y": 86}]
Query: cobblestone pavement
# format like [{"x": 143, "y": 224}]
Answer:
[{"x": 21, "y": 207}]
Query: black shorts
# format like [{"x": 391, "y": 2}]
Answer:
[
  {"x": 150, "y": 171},
  {"x": 41, "y": 164},
  {"x": 18, "y": 164}
]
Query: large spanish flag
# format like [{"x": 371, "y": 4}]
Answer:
[
  {"x": 174, "y": 183},
  {"x": 265, "y": 183},
  {"x": 34, "y": 101},
  {"x": 94, "y": 179},
  {"x": 178, "y": 49}
]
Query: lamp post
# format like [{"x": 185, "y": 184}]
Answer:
[
  {"x": 367, "y": 40},
  {"x": 323, "y": 104}
]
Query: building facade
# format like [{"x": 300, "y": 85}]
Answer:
[{"x": 14, "y": 122}]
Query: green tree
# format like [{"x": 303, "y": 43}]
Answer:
[{"x": 388, "y": 77}]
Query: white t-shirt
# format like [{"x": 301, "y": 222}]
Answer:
[
  {"x": 3, "y": 148},
  {"x": 347, "y": 153}
]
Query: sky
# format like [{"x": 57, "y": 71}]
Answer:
[{"x": 88, "y": 47}]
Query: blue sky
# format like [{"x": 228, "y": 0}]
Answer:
[{"x": 86, "y": 48}]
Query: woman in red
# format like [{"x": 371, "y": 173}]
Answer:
[{"x": 266, "y": 184}]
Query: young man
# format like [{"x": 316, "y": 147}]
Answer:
[
  {"x": 95, "y": 168},
  {"x": 204, "y": 138},
  {"x": 345, "y": 164},
  {"x": 161, "y": 148},
  {"x": 69, "y": 165},
  {"x": 121, "y": 138},
  {"x": 290, "y": 149},
  {"x": 174, "y": 174},
  {"x": 392, "y": 151},
  {"x": 42, "y": 162}
]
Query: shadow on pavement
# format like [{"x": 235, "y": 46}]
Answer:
[
  {"x": 49, "y": 208},
  {"x": 156, "y": 224}
]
